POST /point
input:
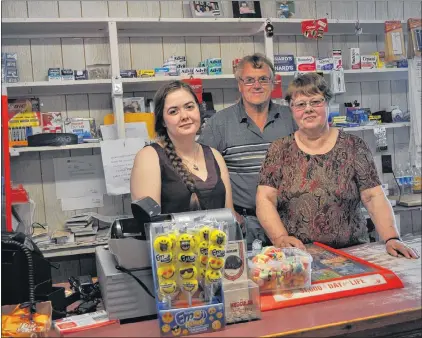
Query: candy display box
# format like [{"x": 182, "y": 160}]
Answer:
[
  {"x": 276, "y": 269},
  {"x": 188, "y": 264}
]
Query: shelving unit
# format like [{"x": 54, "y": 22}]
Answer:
[
  {"x": 132, "y": 27},
  {"x": 385, "y": 125},
  {"x": 16, "y": 151},
  {"x": 136, "y": 84}
]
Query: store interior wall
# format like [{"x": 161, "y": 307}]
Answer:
[{"x": 36, "y": 171}]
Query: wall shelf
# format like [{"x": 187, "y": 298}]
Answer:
[
  {"x": 16, "y": 151},
  {"x": 132, "y": 27},
  {"x": 385, "y": 125},
  {"x": 153, "y": 83},
  {"x": 58, "y": 87}
]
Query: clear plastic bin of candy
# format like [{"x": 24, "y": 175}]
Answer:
[{"x": 277, "y": 269}]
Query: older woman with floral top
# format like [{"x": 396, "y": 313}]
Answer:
[{"x": 313, "y": 181}]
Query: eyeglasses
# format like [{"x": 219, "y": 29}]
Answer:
[
  {"x": 301, "y": 105},
  {"x": 250, "y": 81}
]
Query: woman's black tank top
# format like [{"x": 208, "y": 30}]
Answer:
[{"x": 175, "y": 196}]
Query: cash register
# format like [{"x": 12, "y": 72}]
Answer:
[{"x": 124, "y": 268}]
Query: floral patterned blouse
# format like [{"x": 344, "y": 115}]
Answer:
[{"x": 319, "y": 195}]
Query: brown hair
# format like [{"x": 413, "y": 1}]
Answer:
[
  {"x": 308, "y": 84},
  {"x": 257, "y": 61},
  {"x": 169, "y": 148}
]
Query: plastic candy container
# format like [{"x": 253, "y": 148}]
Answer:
[
  {"x": 188, "y": 262},
  {"x": 277, "y": 269}
]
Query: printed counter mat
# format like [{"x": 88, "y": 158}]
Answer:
[{"x": 335, "y": 274}]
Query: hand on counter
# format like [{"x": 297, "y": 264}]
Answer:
[
  {"x": 397, "y": 248},
  {"x": 288, "y": 241}
]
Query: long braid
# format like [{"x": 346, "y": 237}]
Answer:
[{"x": 181, "y": 170}]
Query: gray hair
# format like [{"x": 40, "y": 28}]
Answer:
[{"x": 257, "y": 61}]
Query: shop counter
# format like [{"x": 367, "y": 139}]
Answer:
[{"x": 387, "y": 312}]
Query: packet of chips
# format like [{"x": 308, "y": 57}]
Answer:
[{"x": 16, "y": 321}]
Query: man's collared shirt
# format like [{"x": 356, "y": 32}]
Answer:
[{"x": 243, "y": 146}]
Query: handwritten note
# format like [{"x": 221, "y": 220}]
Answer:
[
  {"x": 118, "y": 156},
  {"x": 79, "y": 176}
]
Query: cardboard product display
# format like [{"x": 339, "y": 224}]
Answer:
[
  {"x": 241, "y": 296},
  {"x": 394, "y": 41},
  {"x": 414, "y": 26}
]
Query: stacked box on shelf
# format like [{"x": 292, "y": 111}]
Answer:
[
  {"x": 284, "y": 63},
  {"x": 9, "y": 67}
]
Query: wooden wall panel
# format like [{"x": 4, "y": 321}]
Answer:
[
  {"x": 97, "y": 50},
  {"x": 210, "y": 47},
  {"x": 94, "y": 9},
  {"x": 412, "y": 9},
  {"x": 146, "y": 53},
  {"x": 14, "y": 9},
  {"x": 77, "y": 105},
  {"x": 367, "y": 44},
  {"x": 234, "y": 47},
  {"x": 143, "y": 9},
  {"x": 99, "y": 106},
  {"x": 285, "y": 44},
  {"x": 395, "y": 9},
  {"x": 171, "y": 9},
  {"x": 323, "y": 9},
  {"x": 259, "y": 44},
  {"x": 125, "y": 60},
  {"x": 117, "y": 9},
  {"x": 43, "y": 9},
  {"x": 73, "y": 52},
  {"x": 381, "y": 10},
  {"x": 174, "y": 45},
  {"x": 23, "y": 48},
  {"x": 325, "y": 46},
  {"x": 306, "y": 47},
  {"x": 366, "y": 10},
  {"x": 399, "y": 94},
  {"x": 305, "y": 9},
  {"x": 46, "y": 53},
  {"x": 268, "y": 9},
  {"x": 193, "y": 50},
  {"x": 70, "y": 9},
  {"x": 344, "y": 10}
]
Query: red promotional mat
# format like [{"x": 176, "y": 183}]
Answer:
[{"x": 335, "y": 274}]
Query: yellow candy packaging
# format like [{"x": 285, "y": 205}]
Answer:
[{"x": 188, "y": 263}]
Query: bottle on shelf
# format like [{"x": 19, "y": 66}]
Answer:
[
  {"x": 408, "y": 178},
  {"x": 399, "y": 172},
  {"x": 417, "y": 180}
]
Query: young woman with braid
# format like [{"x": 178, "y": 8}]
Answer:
[{"x": 178, "y": 173}]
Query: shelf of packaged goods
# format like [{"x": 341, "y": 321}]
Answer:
[{"x": 335, "y": 27}]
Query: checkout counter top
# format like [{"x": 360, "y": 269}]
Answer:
[{"x": 364, "y": 313}]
